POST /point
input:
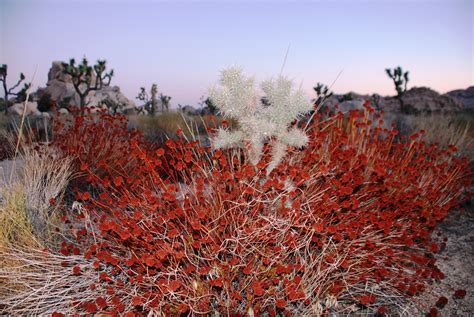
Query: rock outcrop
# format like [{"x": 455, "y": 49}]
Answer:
[
  {"x": 61, "y": 90},
  {"x": 466, "y": 96},
  {"x": 420, "y": 99},
  {"x": 19, "y": 108},
  {"x": 428, "y": 100}
]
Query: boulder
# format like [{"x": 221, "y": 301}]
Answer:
[
  {"x": 18, "y": 108},
  {"x": 61, "y": 90},
  {"x": 190, "y": 111},
  {"x": 338, "y": 103},
  {"x": 423, "y": 99},
  {"x": 351, "y": 105},
  {"x": 466, "y": 96}
]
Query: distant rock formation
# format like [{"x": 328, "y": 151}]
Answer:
[
  {"x": 466, "y": 96},
  {"x": 422, "y": 99},
  {"x": 426, "y": 100},
  {"x": 61, "y": 90},
  {"x": 189, "y": 110}
]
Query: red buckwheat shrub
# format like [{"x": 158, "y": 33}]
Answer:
[{"x": 182, "y": 229}]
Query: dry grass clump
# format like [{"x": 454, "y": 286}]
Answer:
[
  {"x": 45, "y": 177},
  {"x": 33, "y": 281},
  {"x": 36, "y": 282},
  {"x": 15, "y": 226},
  {"x": 443, "y": 130},
  {"x": 28, "y": 212}
]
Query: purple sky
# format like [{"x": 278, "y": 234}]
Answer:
[{"x": 182, "y": 45}]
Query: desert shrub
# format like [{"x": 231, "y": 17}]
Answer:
[
  {"x": 97, "y": 140},
  {"x": 340, "y": 225},
  {"x": 343, "y": 224},
  {"x": 30, "y": 235}
]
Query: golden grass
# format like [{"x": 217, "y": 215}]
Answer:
[
  {"x": 15, "y": 226},
  {"x": 160, "y": 127},
  {"x": 444, "y": 130},
  {"x": 27, "y": 218},
  {"x": 27, "y": 227}
]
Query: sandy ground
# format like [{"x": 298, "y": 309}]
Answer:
[{"x": 456, "y": 261}]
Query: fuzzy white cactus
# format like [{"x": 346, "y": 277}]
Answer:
[{"x": 237, "y": 98}]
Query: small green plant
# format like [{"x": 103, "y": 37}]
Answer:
[
  {"x": 400, "y": 80},
  {"x": 21, "y": 95},
  {"x": 87, "y": 78}
]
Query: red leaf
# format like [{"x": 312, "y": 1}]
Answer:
[
  {"x": 196, "y": 225},
  {"x": 217, "y": 282},
  {"x": 248, "y": 269},
  {"x": 101, "y": 302},
  {"x": 90, "y": 307},
  {"x": 84, "y": 166},
  {"x": 86, "y": 196},
  {"x": 460, "y": 293},
  {"x": 160, "y": 152},
  {"x": 137, "y": 300},
  {"x": 442, "y": 301},
  {"x": 257, "y": 289},
  {"x": 150, "y": 260},
  {"x": 76, "y": 270},
  {"x": 173, "y": 233},
  {"x": 118, "y": 181},
  {"x": 280, "y": 303},
  {"x": 175, "y": 285},
  {"x": 318, "y": 227}
]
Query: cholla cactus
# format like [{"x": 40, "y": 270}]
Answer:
[{"x": 259, "y": 121}]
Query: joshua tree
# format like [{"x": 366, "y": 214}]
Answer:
[
  {"x": 21, "y": 95},
  {"x": 400, "y": 80},
  {"x": 150, "y": 104},
  {"x": 87, "y": 78},
  {"x": 322, "y": 93},
  {"x": 165, "y": 102},
  {"x": 208, "y": 106}
]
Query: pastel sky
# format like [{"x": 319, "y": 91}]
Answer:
[{"x": 182, "y": 45}]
